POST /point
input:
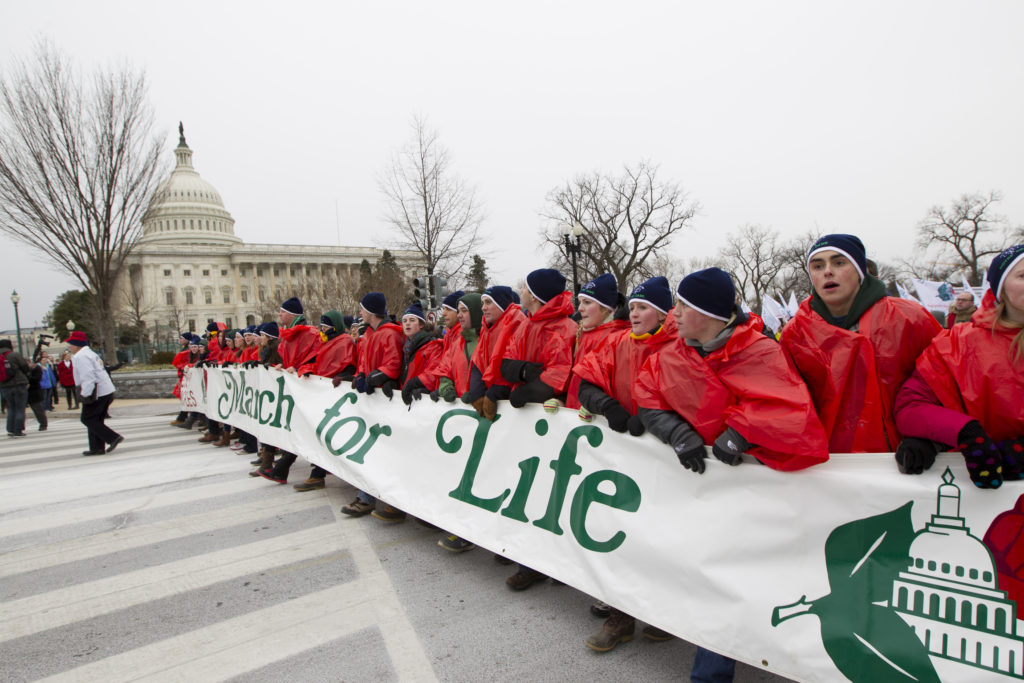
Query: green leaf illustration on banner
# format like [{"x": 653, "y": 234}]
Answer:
[{"x": 867, "y": 642}]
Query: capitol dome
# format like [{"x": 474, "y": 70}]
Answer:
[{"x": 186, "y": 208}]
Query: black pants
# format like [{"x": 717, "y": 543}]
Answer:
[
  {"x": 72, "y": 395},
  {"x": 93, "y": 416},
  {"x": 39, "y": 410}
]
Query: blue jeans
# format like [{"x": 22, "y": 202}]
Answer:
[
  {"x": 366, "y": 497},
  {"x": 17, "y": 399},
  {"x": 711, "y": 667}
]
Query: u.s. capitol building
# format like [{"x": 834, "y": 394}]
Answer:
[{"x": 189, "y": 267}]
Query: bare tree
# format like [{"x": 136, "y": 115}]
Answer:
[
  {"x": 627, "y": 218},
  {"x": 965, "y": 233},
  {"x": 754, "y": 257},
  {"x": 793, "y": 275},
  {"x": 78, "y": 166},
  {"x": 435, "y": 212}
]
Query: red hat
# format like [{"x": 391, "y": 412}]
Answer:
[{"x": 78, "y": 338}]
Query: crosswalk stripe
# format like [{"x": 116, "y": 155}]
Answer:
[
  {"x": 118, "y": 540},
  {"x": 127, "y": 504},
  {"x": 65, "y": 606},
  {"x": 110, "y": 474},
  {"x": 236, "y": 646}
]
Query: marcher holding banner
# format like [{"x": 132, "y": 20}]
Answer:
[
  {"x": 335, "y": 360},
  {"x": 502, "y": 317},
  {"x": 968, "y": 386},
  {"x": 606, "y": 380},
  {"x": 854, "y": 346},
  {"x": 269, "y": 357},
  {"x": 380, "y": 365},
  {"x": 599, "y": 305},
  {"x": 538, "y": 360},
  {"x": 298, "y": 346},
  {"x": 180, "y": 361}
]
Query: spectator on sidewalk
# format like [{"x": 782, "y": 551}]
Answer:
[{"x": 14, "y": 387}]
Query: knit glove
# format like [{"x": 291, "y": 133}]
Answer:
[
  {"x": 617, "y": 417},
  {"x": 984, "y": 459},
  {"x": 914, "y": 456},
  {"x": 531, "y": 392},
  {"x": 729, "y": 447},
  {"x": 1013, "y": 458},
  {"x": 691, "y": 458},
  {"x": 485, "y": 408},
  {"x": 388, "y": 388},
  {"x": 447, "y": 392},
  {"x": 635, "y": 425},
  {"x": 413, "y": 391},
  {"x": 359, "y": 383}
]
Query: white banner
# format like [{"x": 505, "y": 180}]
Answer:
[{"x": 848, "y": 568}]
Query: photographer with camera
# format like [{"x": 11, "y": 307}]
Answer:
[{"x": 97, "y": 392}]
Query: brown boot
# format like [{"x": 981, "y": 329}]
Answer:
[
  {"x": 208, "y": 438},
  {"x": 224, "y": 440},
  {"x": 310, "y": 484},
  {"x": 618, "y": 628},
  {"x": 266, "y": 461}
]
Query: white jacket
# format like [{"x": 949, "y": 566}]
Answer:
[{"x": 90, "y": 374}]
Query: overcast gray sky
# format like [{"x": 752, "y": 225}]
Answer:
[{"x": 852, "y": 117}]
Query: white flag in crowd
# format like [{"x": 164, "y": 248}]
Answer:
[
  {"x": 935, "y": 296},
  {"x": 904, "y": 294}
]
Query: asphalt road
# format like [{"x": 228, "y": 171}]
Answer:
[{"x": 165, "y": 561}]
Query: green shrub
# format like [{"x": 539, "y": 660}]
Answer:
[{"x": 161, "y": 358}]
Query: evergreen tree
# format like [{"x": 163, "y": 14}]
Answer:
[{"x": 477, "y": 280}]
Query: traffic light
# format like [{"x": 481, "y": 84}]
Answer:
[
  {"x": 439, "y": 287},
  {"x": 420, "y": 292}
]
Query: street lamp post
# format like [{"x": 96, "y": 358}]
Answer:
[
  {"x": 572, "y": 249},
  {"x": 17, "y": 321}
]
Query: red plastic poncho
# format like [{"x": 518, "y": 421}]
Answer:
[
  {"x": 250, "y": 352},
  {"x": 547, "y": 337},
  {"x": 180, "y": 361},
  {"x": 424, "y": 364},
  {"x": 587, "y": 341},
  {"x": 854, "y": 376},
  {"x": 615, "y": 364},
  {"x": 971, "y": 371},
  {"x": 334, "y": 355},
  {"x": 381, "y": 349},
  {"x": 494, "y": 340},
  {"x": 748, "y": 385},
  {"x": 299, "y": 345},
  {"x": 452, "y": 362}
]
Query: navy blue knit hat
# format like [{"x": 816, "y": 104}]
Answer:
[
  {"x": 415, "y": 310},
  {"x": 603, "y": 289},
  {"x": 195, "y": 340},
  {"x": 348, "y": 321},
  {"x": 452, "y": 300},
  {"x": 186, "y": 335},
  {"x": 655, "y": 291},
  {"x": 1001, "y": 265},
  {"x": 501, "y": 295},
  {"x": 545, "y": 284},
  {"x": 709, "y": 291},
  {"x": 293, "y": 306},
  {"x": 212, "y": 327},
  {"x": 270, "y": 330},
  {"x": 849, "y": 246},
  {"x": 375, "y": 303}
]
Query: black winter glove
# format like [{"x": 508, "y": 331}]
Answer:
[
  {"x": 693, "y": 458},
  {"x": 359, "y": 383},
  {"x": 914, "y": 456},
  {"x": 413, "y": 391},
  {"x": 512, "y": 370},
  {"x": 1013, "y": 458},
  {"x": 532, "y": 371},
  {"x": 635, "y": 425},
  {"x": 434, "y": 396},
  {"x": 498, "y": 392},
  {"x": 376, "y": 379},
  {"x": 251, "y": 364},
  {"x": 984, "y": 459},
  {"x": 618, "y": 417},
  {"x": 531, "y": 392},
  {"x": 729, "y": 447},
  {"x": 388, "y": 388}
]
